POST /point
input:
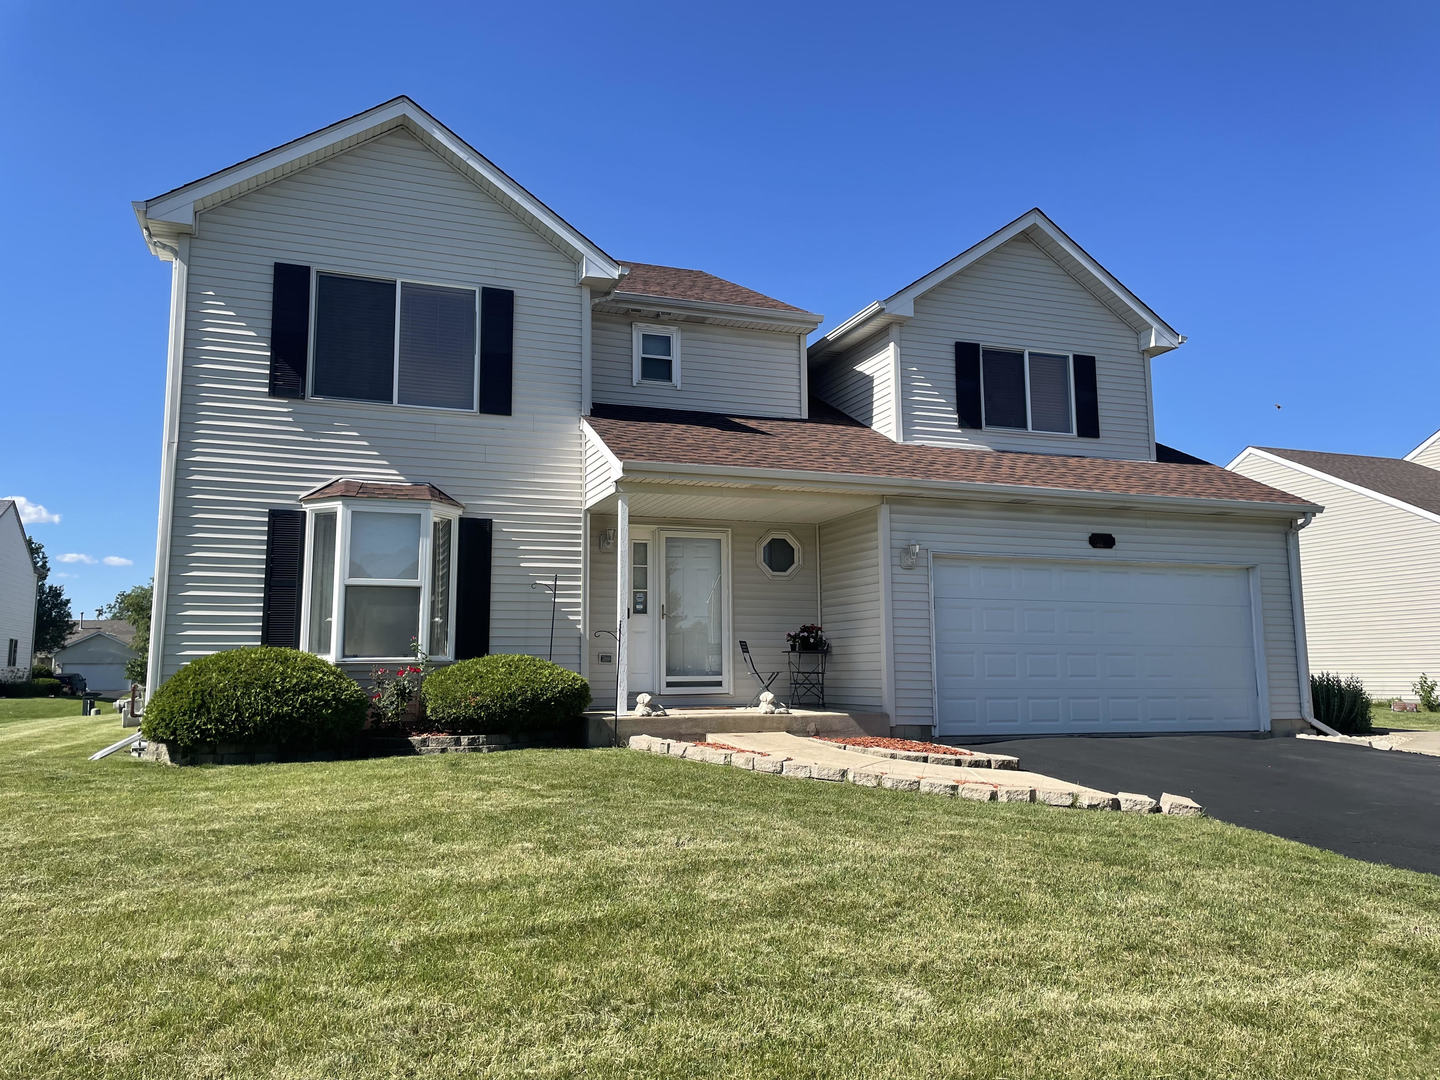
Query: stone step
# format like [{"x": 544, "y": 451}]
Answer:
[{"x": 693, "y": 725}]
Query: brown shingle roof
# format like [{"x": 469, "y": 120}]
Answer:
[
  {"x": 1408, "y": 481},
  {"x": 648, "y": 279},
  {"x": 832, "y": 442},
  {"x": 378, "y": 489}
]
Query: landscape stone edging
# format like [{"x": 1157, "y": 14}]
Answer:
[
  {"x": 977, "y": 790},
  {"x": 973, "y": 760},
  {"x": 1367, "y": 742}
]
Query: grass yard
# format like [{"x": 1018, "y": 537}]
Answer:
[
  {"x": 1382, "y": 716},
  {"x": 614, "y": 914},
  {"x": 40, "y": 708}
]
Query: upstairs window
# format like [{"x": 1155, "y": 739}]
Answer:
[
  {"x": 396, "y": 342},
  {"x": 1027, "y": 390},
  {"x": 657, "y": 355}
]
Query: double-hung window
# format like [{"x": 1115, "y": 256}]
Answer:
[
  {"x": 1028, "y": 390},
  {"x": 657, "y": 355},
  {"x": 394, "y": 341},
  {"x": 381, "y": 579}
]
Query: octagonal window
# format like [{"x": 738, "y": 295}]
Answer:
[{"x": 779, "y": 554}]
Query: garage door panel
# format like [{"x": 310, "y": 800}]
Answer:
[{"x": 1028, "y": 646}]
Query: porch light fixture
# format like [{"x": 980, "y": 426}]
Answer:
[
  {"x": 605, "y": 539},
  {"x": 909, "y": 556}
]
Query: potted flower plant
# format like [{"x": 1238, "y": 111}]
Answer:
[{"x": 809, "y": 638}]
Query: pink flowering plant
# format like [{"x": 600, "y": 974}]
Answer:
[
  {"x": 809, "y": 638},
  {"x": 397, "y": 693}
]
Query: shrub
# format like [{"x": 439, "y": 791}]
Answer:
[
  {"x": 1340, "y": 702},
  {"x": 30, "y": 688},
  {"x": 503, "y": 693},
  {"x": 1425, "y": 689},
  {"x": 257, "y": 695},
  {"x": 41, "y": 671}
]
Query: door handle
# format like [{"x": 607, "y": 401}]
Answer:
[{"x": 662, "y": 611}]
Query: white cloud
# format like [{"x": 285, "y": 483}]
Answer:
[
  {"x": 72, "y": 556},
  {"x": 33, "y": 513},
  {"x": 117, "y": 560},
  {"x": 63, "y": 574}
]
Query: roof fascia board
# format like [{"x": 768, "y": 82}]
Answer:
[
  {"x": 177, "y": 207},
  {"x": 790, "y": 320},
  {"x": 1415, "y": 454},
  {"x": 1321, "y": 474},
  {"x": 958, "y": 488},
  {"x": 876, "y": 311}
]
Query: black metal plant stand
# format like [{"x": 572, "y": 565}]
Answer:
[{"x": 807, "y": 677}]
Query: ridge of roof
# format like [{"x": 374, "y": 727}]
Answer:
[
  {"x": 1405, "y": 481},
  {"x": 831, "y": 442}
]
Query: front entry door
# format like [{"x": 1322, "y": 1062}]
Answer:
[
  {"x": 644, "y": 612},
  {"x": 694, "y": 616}
]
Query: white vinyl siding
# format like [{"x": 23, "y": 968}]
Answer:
[
  {"x": 722, "y": 369},
  {"x": 388, "y": 208},
  {"x": 1370, "y": 579},
  {"x": 850, "y": 610},
  {"x": 986, "y": 529},
  {"x": 1429, "y": 456},
  {"x": 764, "y": 608},
  {"x": 17, "y": 593},
  {"x": 860, "y": 382},
  {"x": 599, "y": 470},
  {"x": 1018, "y": 297}
]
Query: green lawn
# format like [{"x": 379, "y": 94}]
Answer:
[
  {"x": 613, "y": 914},
  {"x": 40, "y": 708},
  {"x": 1382, "y": 716}
]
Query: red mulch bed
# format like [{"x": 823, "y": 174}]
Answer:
[
  {"x": 736, "y": 749},
  {"x": 897, "y": 744}
]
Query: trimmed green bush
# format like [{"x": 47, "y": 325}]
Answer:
[
  {"x": 503, "y": 693},
  {"x": 30, "y": 688},
  {"x": 1341, "y": 702},
  {"x": 257, "y": 696}
]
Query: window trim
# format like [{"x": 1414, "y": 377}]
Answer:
[
  {"x": 1029, "y": 427},
  {"x": 780, "y": 534},
  {"x": 399, "y": 283},
  {"x": 345, "y": 508},
  {"x": 637, "y": 332}
]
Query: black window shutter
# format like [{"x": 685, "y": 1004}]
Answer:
[
  {"x": 472, "y": 589},
  {"x": 497, "y": 349},
  {"x": 967, "y": 384},
  {"x": 289, "y": 330},
  {"x": 284, "y": 550},
  {"x": 1087, "y": 398}
]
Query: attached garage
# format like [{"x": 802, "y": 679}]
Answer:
[{"x": 1030, "y": 646}]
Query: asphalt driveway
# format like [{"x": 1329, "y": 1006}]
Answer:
[{"x": 1377, "y": 805}]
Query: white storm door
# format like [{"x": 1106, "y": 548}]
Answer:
[
  {"x": 694, "y": 615},
  {"x": 644, "y": 611}
]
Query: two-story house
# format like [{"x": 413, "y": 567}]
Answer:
[{"x": 404, "y": 395}]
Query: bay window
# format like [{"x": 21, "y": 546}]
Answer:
[{"x": 380, "y": 580}]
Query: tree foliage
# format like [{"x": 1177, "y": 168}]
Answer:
[
  {"x": 133, "y": 605},
  {"x": 52, "y": 608}
]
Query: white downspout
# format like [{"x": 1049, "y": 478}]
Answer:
[{"x": 1297, "y": 614}]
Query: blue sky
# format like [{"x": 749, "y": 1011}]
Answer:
[{"x": 1263, "y": 175}]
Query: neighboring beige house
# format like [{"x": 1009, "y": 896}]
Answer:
[
  {"x": 18, "y": 585},
  {"x": 403, "y": 393},
  {"x": 1370, "y": 563},
  {"x": 98, "y": 650}
]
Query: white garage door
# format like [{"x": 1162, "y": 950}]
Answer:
[
  {"x": 102, "y": 678},
  {"x": 1029, "y": 647}
]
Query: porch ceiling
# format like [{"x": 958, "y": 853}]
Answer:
[{"x": 695, "y": 503}]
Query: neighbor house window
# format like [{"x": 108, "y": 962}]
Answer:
[
  {"x": 12, "y": 653},
  {"x": 381, "y": 580},
  {"x": 1027, "y": 390},
  {"x": 396, "y": 342},
  {"x": 657, "y": 354}
]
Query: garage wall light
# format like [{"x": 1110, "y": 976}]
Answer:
[{"x": 909, "y": 556}]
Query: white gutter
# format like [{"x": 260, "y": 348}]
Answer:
[
  {"x": 1297, "y": 614},
  {"x": 881, "y": 485}
]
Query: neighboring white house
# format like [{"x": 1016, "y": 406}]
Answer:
[
  {"x": 18, "y": 587},
  {"x": 1371, "y": 562},
  {"x": 98, "y": 649},
  {"x": 403, "y": 393}
]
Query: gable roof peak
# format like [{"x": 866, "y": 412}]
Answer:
[{"x": 1156, "y": 335}]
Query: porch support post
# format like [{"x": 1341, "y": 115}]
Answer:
[{"x": 622, "y": 603}]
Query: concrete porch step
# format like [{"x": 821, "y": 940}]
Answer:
[{"x": 693, "y": 725}]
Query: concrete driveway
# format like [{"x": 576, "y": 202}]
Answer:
[{"x": 1370, "y": 804}]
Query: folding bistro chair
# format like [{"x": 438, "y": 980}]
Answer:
[{"x": 765, "y": 679}]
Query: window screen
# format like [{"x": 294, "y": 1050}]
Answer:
[
  {"x": 354, "y": 338},
  {"x": 1003, "y": 376},
  {"x": 437, "y": 346},
  {"x": 656, "y": 357},
  {"x": 1050, "y": 392}
]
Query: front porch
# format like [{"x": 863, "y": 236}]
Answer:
[{"x": 679, "y": 574}]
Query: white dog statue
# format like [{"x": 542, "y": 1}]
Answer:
[
  {"x": 645, "y": 705},
  {"x": 768, "y": 704}
]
